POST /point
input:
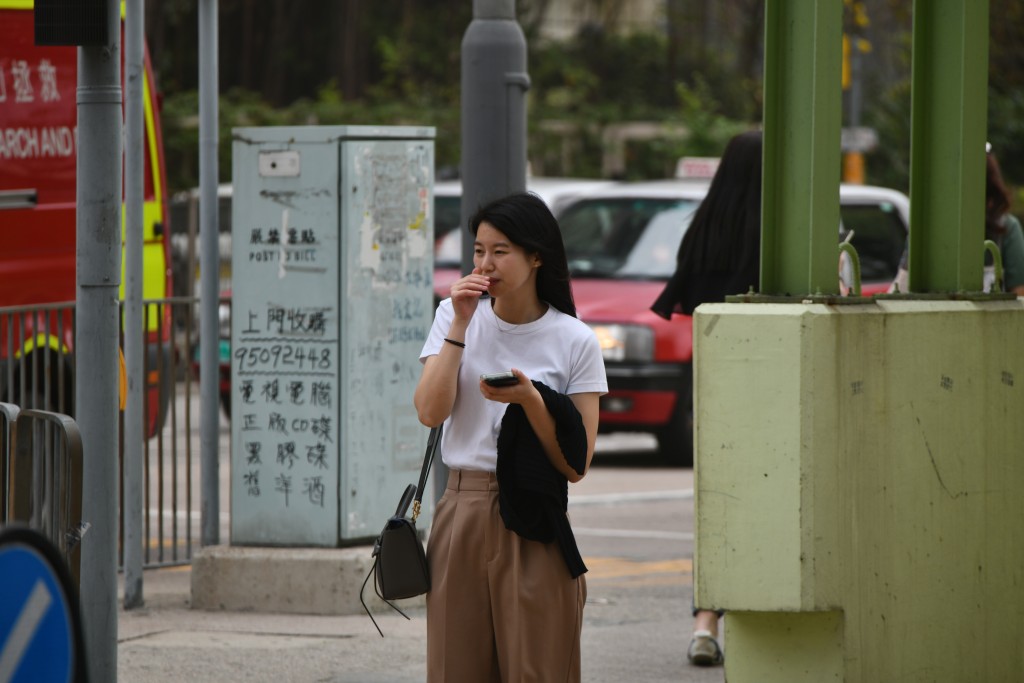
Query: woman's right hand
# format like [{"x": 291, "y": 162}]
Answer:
[{"x": 466, "y": 293}]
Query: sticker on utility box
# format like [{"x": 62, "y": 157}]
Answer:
[{"x": 279, "y": 164}]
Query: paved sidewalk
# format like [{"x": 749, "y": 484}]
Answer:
[
  {"x": 637, "y": 621},
  {"x": 636, "y": 639}
]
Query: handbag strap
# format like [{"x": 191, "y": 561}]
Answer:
[{"x": 428, "y": 458}]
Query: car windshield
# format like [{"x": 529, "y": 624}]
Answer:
[
  {"x": 879, "y": 236},
  {"x": 627, "y": 238}
]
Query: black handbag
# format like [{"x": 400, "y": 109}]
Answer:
[{"x": 399, "y": 561}]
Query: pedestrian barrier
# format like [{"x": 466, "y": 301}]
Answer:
[
  {"x": 8, "y": 418},
  {"x": 44, "y": 479},
  {"x": 37, "y": 371}
]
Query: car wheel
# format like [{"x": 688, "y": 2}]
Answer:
[
  {"x": 41, "y": 389},
  {"x": 675, "y": 440}
]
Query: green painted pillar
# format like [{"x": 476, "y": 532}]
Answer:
[
  {"x": 949, "y": 110},
  {"x": 802, "y": 117},
  {"x": 858, "y": 520}
]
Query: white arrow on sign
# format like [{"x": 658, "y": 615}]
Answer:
[{"x": 24, "y": 629}]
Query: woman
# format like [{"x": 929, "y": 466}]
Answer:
[
  {"x": 719, "y": 255},
  {"x": 1003, "y": 228},
  {"x": 721, "y": 251},
  {"x": 507, "y": 591}
]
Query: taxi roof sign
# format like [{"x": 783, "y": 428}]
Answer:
[{"x": 697, "y": 167}]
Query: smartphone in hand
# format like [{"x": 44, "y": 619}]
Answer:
[{"x": 500, "y": 379}]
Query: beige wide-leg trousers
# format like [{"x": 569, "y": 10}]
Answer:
[{"x": 501, "y": 609}]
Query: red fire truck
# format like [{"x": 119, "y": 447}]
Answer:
[{"x": 38, "y": 145}]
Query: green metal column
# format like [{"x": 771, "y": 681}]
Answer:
[
  {"x": 802, "y": 115},
  {"x": 949, "y": 110}
]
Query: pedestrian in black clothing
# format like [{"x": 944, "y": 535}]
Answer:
[
  {"x": 721, "y": 251},
  {"x": 720, "y": 255}
]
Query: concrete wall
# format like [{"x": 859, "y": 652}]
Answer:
[{"x": 860, "y": 489}]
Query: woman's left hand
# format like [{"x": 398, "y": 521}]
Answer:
[{"x": 513, "y": 393}]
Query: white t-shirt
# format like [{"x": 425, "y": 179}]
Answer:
[{"x": 556, "y": 349}]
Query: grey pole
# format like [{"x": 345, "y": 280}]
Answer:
[
  {"x": 209, "y": 422},
  {"x": 494, "y": 85},
  {"x": 98, "y": 255},
  {"x": 133, "y": 316}
]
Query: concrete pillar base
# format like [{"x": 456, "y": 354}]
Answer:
[
  {"x": 800, "y": 647},
  {"x": 285, "y": 580}
]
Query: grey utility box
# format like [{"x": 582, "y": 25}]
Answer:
[{"x": 332, "y": 260}]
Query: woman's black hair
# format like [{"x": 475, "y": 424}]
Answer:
[
  {"x": 997, "y": 198},
  {"x": 528, "y": 222},
  {"x": 720, "y": 253},
  {"x": 725, "y": 234}
]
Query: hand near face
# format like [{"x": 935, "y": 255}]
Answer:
[{"x": 466, "y": 293}]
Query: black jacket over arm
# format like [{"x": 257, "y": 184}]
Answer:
[{"x": 533, "y": 496}]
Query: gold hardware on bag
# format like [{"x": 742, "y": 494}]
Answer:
[{"x": 415, "y": 510}]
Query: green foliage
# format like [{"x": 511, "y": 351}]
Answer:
[
  {"x": 889, "y": 113},
  {"x": 597, "y": 80},
  {"x": 1006, "y": 133},
  {"x": 245, "y": 108},
  {"x": 180, "y": 120},
  {"x": 889, "y": 164},
  {"x": 404, "y": 69},
  {"x": 710, "y": 130},
  {"x": 592, "y": 81}
]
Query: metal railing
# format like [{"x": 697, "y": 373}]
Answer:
[
  {"x": 44, "y": 479},
  {"x": 36, "y": 364},
  {"x": 170, "y": 509},
  {"x": 37, "y": 371}
]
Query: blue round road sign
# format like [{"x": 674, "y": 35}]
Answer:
[{"x": 38, "y": 625}]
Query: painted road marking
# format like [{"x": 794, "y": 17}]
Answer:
[
  {"x": 182, "y": 513},
  {"x": 631, "y": 497},
  {"x": 619, "y": 567},
  {"x": 24, "y": 629}
]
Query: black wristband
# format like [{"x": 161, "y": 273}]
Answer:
[{"x": 456, "y": 343}]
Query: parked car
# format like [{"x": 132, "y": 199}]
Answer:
[{"x": 622, "y": 242}]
